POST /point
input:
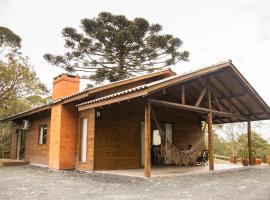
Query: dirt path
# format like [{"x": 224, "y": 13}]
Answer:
[{"x": 39, "y": 183}]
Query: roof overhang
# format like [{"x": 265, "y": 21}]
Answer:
[
  {"x": 27, "y": 113},
  {"x": 167, "y": 72},
  {"x": 233, "y": 90}
]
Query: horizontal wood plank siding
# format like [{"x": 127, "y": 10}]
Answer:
[
  {"x": 118, "y": 132},
  {"x": 13, "y": 147},
  {"x": 34, "y": 152}
]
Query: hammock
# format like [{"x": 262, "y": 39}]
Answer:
[{"x": 173, "y": 154}]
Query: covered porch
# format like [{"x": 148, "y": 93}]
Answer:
[{"x": 217, "y": 94}]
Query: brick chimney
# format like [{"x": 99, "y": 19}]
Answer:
[{"x": 64, "y": 85}]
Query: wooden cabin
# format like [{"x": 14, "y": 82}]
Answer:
[{"x": 115, "y": 126}]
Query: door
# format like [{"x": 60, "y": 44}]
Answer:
[{"x": 21, "y": 139}]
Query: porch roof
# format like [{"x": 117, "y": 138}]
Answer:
[{"x": 232, "y": 92}]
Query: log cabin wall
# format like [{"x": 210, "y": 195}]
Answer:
[
  {"x": 37, "y": 153},
  {"x": 117, "y": 137},
  {"x": 118, "y": 133}
]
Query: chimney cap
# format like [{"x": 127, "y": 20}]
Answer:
[{"x": 66, "y": 75}]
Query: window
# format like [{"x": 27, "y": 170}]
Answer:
[
  {"x": 156, "y": 138},
  {"x": 42, "y": 134},
  {"x": 83, "y": 145}
]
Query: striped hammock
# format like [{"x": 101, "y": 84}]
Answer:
[{"x": 173, "y": 154}]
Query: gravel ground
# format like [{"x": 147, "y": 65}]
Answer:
[{"x": 30, "y": 182}]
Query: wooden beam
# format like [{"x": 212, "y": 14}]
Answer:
[
  {"x": 183, "y": 96},
  {"x": 233, "y": 96},
  {"x": 199, "y": 100},
  {"x": 236, "y": 98},
  {"x": 217, "y": 101},
  {"x": 249, "y": 143},
  {"x": 147, "y": 141},
  {"x": 252, "y": 93},
  {"x": 222, "y": 103},
  {"x": 210, "y": 131},
  {"x": 195, "y": 109}
]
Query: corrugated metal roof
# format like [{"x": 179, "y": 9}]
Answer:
[
  {"x": 135, "y": 89},
  {"x": 120, "y": 81},
  {"x": 89, "y": 90}
]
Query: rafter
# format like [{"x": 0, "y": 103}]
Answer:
[
  {"x": 232, "y": 94},
  {"x": 199, "y": 100}
]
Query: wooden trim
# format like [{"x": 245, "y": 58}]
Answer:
[
  {"x": 195, "y": 109},
  {"x": 147, "y": 141}
]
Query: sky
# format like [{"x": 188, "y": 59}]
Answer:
[{"x": 212, "y": 31}]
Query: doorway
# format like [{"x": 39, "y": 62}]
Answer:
[
  {"x": 156, "y": 158},
  {"x": 21, "y": 139}
]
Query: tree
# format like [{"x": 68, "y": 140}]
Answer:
[
  {"x": 9, "y": 41},
  {"x": 222, "y": 147},
  {"x": 260, "y": 147},
  {"x": 111, "y": 47},
  {"x": 18, "y": 80},
  {"x": 20, "y": 89}
]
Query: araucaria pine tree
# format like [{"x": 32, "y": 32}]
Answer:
[{"x": 111, "y": 47}]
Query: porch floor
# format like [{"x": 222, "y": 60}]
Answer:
[
  {"x": 12, "y": 162},
  {"x": 167, "y": 171}
]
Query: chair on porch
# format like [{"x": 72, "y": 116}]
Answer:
[{"x": 203, "y": 160}]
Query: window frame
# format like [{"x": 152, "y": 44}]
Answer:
[
  {"x": 44, "y": 136},
  {"x": 81, "y": 140}
]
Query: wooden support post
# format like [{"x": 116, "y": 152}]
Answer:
[
  {"x": 147, "y": 141},
  {"x": 183, "y": 97},
  {"x": 210, "y": 132},
  {"x": 249, "y": 143}
]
